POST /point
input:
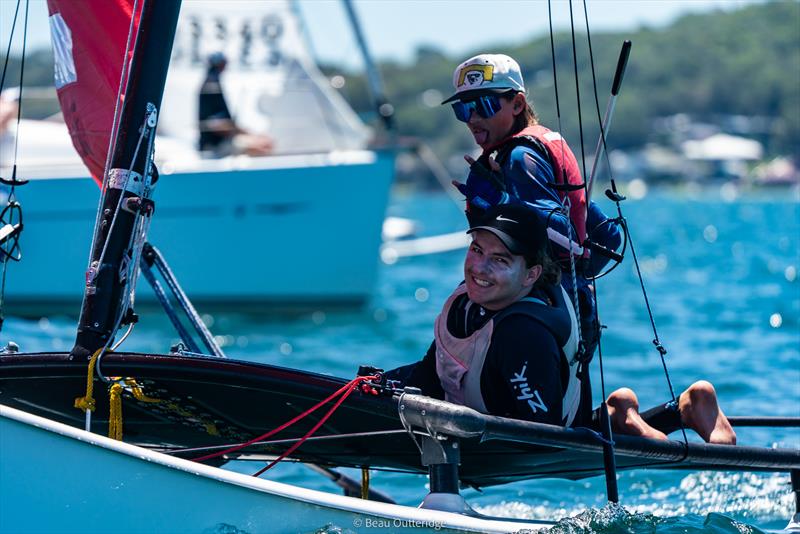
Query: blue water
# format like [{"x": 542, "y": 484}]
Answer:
[{"x": 723, "y": 281}]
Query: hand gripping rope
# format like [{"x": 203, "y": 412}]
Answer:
[{"x": 342, "y": 393}]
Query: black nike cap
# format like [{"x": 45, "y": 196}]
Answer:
[{"x": 520, "y": 228}]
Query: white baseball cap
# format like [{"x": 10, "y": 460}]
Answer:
[{"x": 485, "y": 74}]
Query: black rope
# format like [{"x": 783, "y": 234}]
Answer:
[
  {"x": 563, "y": 176},
  {"x": 553, "y": 56},
  {"x": 585, "y": 186},
  {"x": 596, "y": 100},
  {"x": 617, "y": 263},
  {"x": 609, "y": 459},
  {"x": 565, "y": 187},
  {"x": 578, "y": 95},
  {"x": 586, "y": 192},
  {"x": 21, "y": 78},
  {"x": 661, "y": 350},
  {"x": 8, "y": 48},
  {"x": 656, "y": 341}
]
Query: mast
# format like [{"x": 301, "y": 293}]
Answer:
[
  {"x": 382, "y": 106},
  {"x": 128, "y": 183}
]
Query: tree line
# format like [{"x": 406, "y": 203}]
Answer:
[{"x": 713, "y": 67}]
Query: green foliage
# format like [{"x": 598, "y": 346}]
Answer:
[{"x": 744, "y": 62}]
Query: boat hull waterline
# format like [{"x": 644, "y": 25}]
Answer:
[
  {"x": 103, "y": 477},
  {"x": 228, "y": 229}
]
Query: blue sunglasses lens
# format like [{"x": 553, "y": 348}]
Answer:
[
  {"x": 485, "y": 106},
  {"x": 463, "y": 110}
]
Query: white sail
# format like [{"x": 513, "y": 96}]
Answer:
[{"x": 269, "y": 83}]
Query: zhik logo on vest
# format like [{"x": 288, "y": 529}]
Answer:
[{"x": 520, "y": 381}]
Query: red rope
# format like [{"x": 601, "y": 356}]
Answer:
[
  {"x": 321, "y": 422},
  {"x": 343, "y": 390}
]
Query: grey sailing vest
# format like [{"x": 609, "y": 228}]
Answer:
[{"x": 459, "y": 361}]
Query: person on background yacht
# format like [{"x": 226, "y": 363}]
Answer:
[
  {"x": 506, "y": 339},
  {"x": 219, "y": 134}
]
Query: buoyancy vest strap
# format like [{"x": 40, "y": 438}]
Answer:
[
  {"x": 533, "y": 143},
  {"x": 506, "y": 147},
  {"x": 567, "y": 187}
]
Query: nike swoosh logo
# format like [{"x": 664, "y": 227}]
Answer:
[{"x": 501, "y": 218}]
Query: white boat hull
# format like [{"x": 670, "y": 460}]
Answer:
[
  {"x": 255, "y": 233},
  {"x": 55, "y": 478}
]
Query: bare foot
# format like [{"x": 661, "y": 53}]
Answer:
[
  {"x": 700, "y": 411},
  {"x": 623, "y": 410}
]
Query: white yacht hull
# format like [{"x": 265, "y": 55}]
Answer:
[{"x": 292, "y": 231}]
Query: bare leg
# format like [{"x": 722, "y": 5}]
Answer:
[
  {"x": 623, "y": 410},
  {"x": 700, "y": 411}
]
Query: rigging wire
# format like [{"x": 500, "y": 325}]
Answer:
[
  {"x": 123, "y": 338},
  {"x": 8, "y": 48},
  {"x": 566, "y": 204},
  {"x": 21, "y": 83},
  {"x": 597, "y": 327},
  {"x": 609, "y": 460},
  {"x": 628, "y": 240},
  {"x": 553, "y": 57},
  {"x": 656, "y": 341},
  {"x": 13, "y": 208},
  {"x": 578, "y": 94}
]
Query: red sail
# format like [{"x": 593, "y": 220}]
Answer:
[{"x": 89, "y": 40}]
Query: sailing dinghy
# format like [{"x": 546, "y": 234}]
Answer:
[
  {"x": 172, "y": 418},
  {"x": 177, "y": 408}
]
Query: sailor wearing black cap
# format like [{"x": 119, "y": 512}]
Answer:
[
  {"x": 506, "y": 338},
  {"x": 505, "y": 343}
]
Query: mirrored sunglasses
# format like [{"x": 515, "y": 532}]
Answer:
[{"x": 485, "y": 106}]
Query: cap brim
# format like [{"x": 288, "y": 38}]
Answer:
[
  {"x": 475, "y": 93},
  {"x": 511, "y": 244}
]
